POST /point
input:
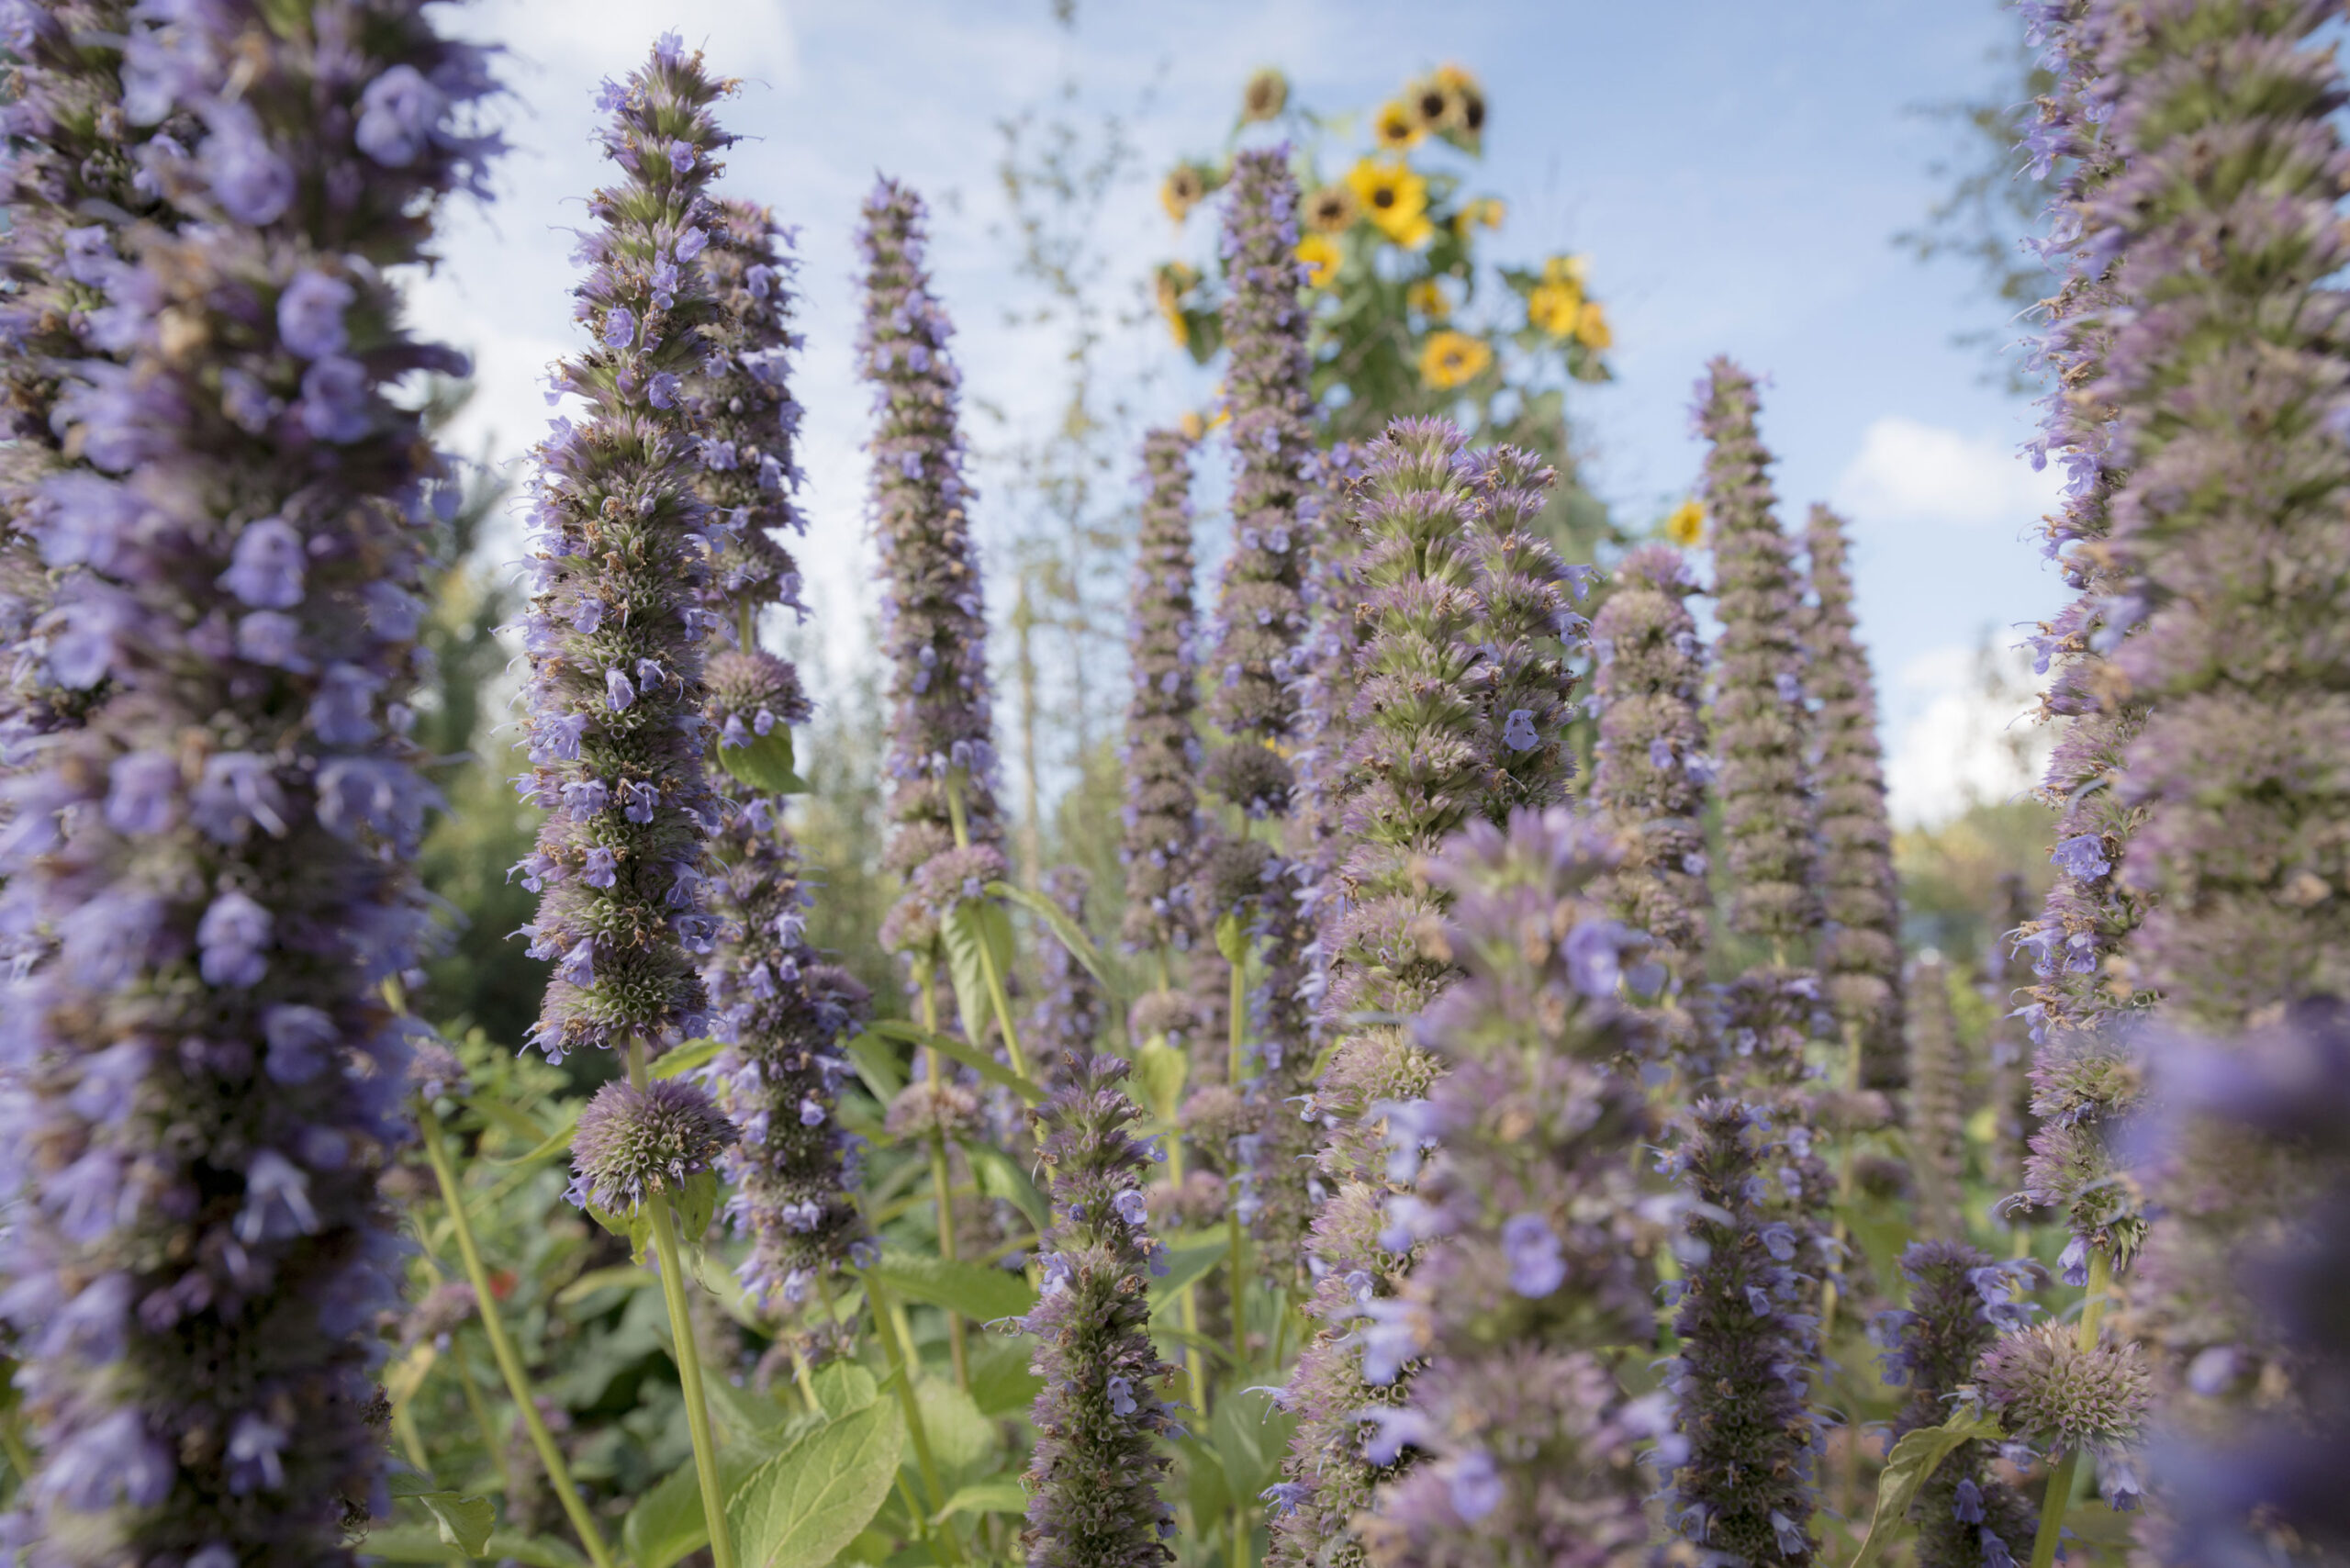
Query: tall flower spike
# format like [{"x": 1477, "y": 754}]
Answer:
[
  {"x": 1937, "y": 1103},
  {"x": 615, "y": 628},
  {"x": 1759, "y": 692},
  {"x": 1162, "y": 751},
  {"x": 1526, "y": 599},
  {"x": 934, "y": 627},
  {"x": 205, "y": 1074},
  {"x": 780, "y": 1010},
  {"x": 1744, "y": 1487},
  {"x": 1650, "y": 778},
  {"x": 1959, "y": 1301},
  {"x": 1532, "y": 1211},
  {"x": 1860, "y": 952},
  {"x": 1069, "y": 1018},
  {"x": 1101, "y": 1422}
]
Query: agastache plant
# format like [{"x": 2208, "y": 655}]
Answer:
[
  {"x": 1936, "y": 1119},
  {"x": 781, "y": 1011},
  {"x": 1101, "y": 1418},
  {"x": 1161, "y": 751},
  {"x": 1960, "y": 1300},
  {"x": 1651, "y": 773},
  {"x": 206, "y": 1070},
  {"x": 616, "y": 626},
  {"x": 1071, "y": 1013},
  {"x": 1536, "y": 1221},
  {"x": 1859, "y": 949}
]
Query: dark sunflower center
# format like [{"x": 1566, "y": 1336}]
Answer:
[{"x": 1384, "y": 196}]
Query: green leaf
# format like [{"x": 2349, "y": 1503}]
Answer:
[
  {"x": 978, "y": 1061},
  {"x": 1251, "y": 1438},
  {"x": 667, "y": 1525},
  {"x": 1185, "y": 1265},
  {"x": 637, "y": 1228},
  {"x": 764, "y": 763},
  {"x": 1209, "y": 1492},
  {"x": 875, "y": 1066},
  {"x": 1231, "y": 939},
  {"x": 1002, "y": 1383},
  {"x": 1159, "y": 1072},
  {"x": 799, "y": 1508},
  {"x": 746, "y": 1413},
  {"x": 512, "y": 1120},
  {"x": 1915, "y": 1458},
  {"x": 694, "y": 1204},
  {"x": 1073, "y": 936},
  {"x": 844, "y": 1387},
  {"x": 973, "y": 928},
  {"x": 964, "y": 1443},
  {"x": 685, "y": 1058},
  {"x": 553, "y": 1144},
  {"x": 1004, "y": 1496},
  {"x": 1000, "y": 1177},
  {"x": 978, "y": 1291},
  {"x": 622, "y": 1276},
  {"x": 422, "y": 1543}
]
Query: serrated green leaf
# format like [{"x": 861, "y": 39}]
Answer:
[
  {"x": 1000, "y": 1177},
  {"x": 764, "y": 763},
  {"x": 1073, "y": 936},
  {"x": 685, "y": 1058},
  {"x": 1159, "y": 1072},
  {"x": 1003, "y": 1495},
  {"x": 1185, "y": 1265},
  {"x": 799, "y": 1508},
  {"x": 978, "y": 1061},
  {"x": 973, "y": 928},
  {"x": 842, "y": 1387},
  {"x": 976, "y": 1290},
  {"x": 694, "y": 1204},
  {"x": 1914, "y": 1459}
]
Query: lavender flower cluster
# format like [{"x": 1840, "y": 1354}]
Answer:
[
  {"x": 1860, "y": 949},
  {"x": 616, "y": 626},
  {"x": 1537, "y": 1226},
  {"x": 933, "y": 613},
  {"x": 203, "y": 1074},
  {"x": 1100, "y": 1419},
  {"x": 1161, "y": 755}
]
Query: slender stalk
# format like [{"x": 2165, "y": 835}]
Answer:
[
  {"x": 480, "y": 1408},
  {"x": 2061, "y": 1477},
  {"x": 501, "y": 1349},
  {"x": 1237, "y": 1016},
  {"x": 404, "y": 1429},
  {"x": 1187, "y": 1305},
  {"x": 942, "y": 1188},
  {"x": 998, "y": 998},
  {"x": 900, "y": 1358}
]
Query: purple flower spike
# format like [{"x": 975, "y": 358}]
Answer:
[
  {"x": 1163, "y": 825},
  {"x": 1860, "y": 950},
  {"x": 620, "y": 522},
  {"x": 210, "y": 860},
  {"x": 1102, "y": 1425},
  {"x": 784, "y": 1014},
  {"x": 1937, "y": 1103}
]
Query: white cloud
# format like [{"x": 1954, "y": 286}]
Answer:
[
  {"x": 1962, "y": 732},
  {"x": 1913, "y": 472}
]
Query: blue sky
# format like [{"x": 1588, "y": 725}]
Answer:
[{"x": 1734, "y": 171}]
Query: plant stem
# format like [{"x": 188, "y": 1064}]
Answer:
[
  {"x": 901, "y": 1373},
  {"x": 480, "y": 1409},
  {"x": 501, "y": 1349},
  {"x": 1187, "y": 1304},
  {"x": 689, "y": 1352},
  {"x": 998, "y": 998},
  {"x": 2059, "y": 1495},
  {"x": 943, "y": 1189},
  {"x": 1237, "y": 1017}
]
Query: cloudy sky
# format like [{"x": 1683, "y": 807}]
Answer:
[{"x": 1735, "y": 172}]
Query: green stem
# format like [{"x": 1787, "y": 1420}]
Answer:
[
  {"x": 1187, "y": 1304},
  {"x": 689, "y": 1352},
  {"x": 942, "y": 1184},
  {"x": 474, "y": 1403},
  {"x": 902, "y": 1373},
  {"x": 2059, "y": 1495},
  {"x": 12, "y": 1441},
  {"x": 501, "y": 1349},
  {"x": 998, "y": 998},
  {"x": 1236, "y": 1018}
]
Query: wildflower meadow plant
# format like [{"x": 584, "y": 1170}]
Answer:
[{"x": 213, "y": 875}]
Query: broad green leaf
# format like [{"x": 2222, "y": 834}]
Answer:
[
  {"x": 422, "y": 1543},
  {"x": 1915, "y": 1458},
  {"x": 875, "y": 1066},
  {"x": 1251, "y": 1438},
  {"x": 1185, "y": 1265},
  {"x": 764, "y": 763},
  {"x": 1003, "y": 1495},
  {"x": 978, "y": 1291},
  {"x": 1203, "y": 1479},
  {"x": 1073, "y": 936},
  {"x": 694, "y": 1204},
  {"x": 554, "y": 1143},
  {"x": 973, "y": 928},
  {"x": 746, "y": 1413},
  {"x": 1002, "y": 1383},
  {"x": 685, "y": 1058},
  {"x": 1000, "y": 1177},
  {"x": 667, "y": 1525},
  {"x": 842, "y": 1387},
  {"x": 625, "y": 1276},
  {"x": 799, "y": 1508},
  {"x": 1159, "y": 1072},
  {"x": 465, "y": 1522},
  {"x": 964, "y": 1443},
  {"x": 978, "y": 1061}
]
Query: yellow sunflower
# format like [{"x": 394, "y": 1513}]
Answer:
[
  {"x": 1192, "y": 425},
  {"x": 1174, "y": 281},
  {"x": 1485, "y": 212},
  {"x": 1394, "y": 197},
  {"x": 1591, "y": 326},
  {"x": 1395, "y": 129},
  {"x": 1464, "y": 102},
  {"x": 1333, "y": 209},
  {"x": 1453, "y": 359},
  {"x": 1321, "y": 255},
  {"x": 1185, "y": 187},
  {"x": 1555, "y": 308},
  {"x": 1570, "y": 271},
  {"x": 1686, "y": 524},
  {"x": 1427, "y": 298},
  {"x": 1266, "y": 95}
]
